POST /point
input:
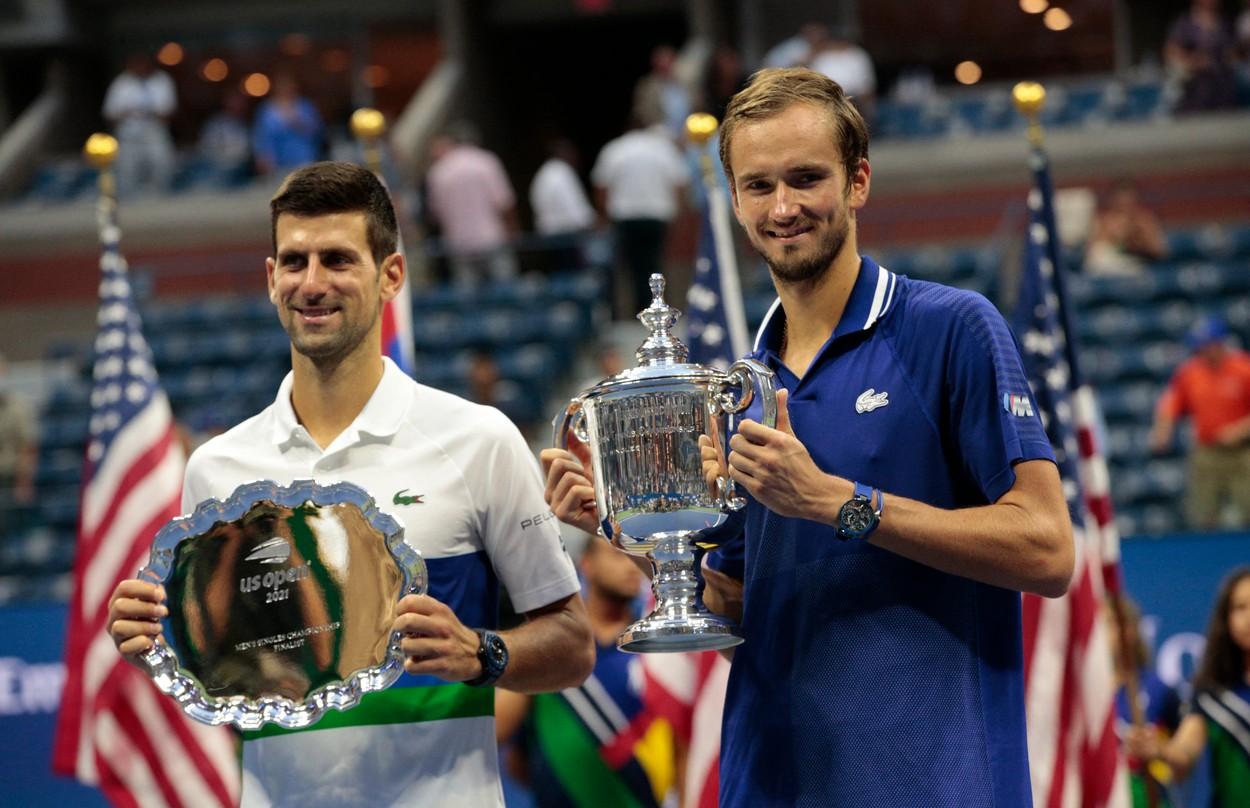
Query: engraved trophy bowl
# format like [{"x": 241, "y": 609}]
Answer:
[
  {"x": 642, "y": 429},
  {"x": 281, "y": 600}
]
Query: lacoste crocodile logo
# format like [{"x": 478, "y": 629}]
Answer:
[
  {"x": 274, "y": 551},
  {"x": 870, "y": 400},
  {"x": 415, "y": 499}
]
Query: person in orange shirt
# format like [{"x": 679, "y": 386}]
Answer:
[{"x": 1213, "y": 388}]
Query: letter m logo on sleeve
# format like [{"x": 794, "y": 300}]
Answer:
[{"x": 1018, "y": 405}]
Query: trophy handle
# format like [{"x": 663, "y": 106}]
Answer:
[
  {"x": 571, "y": 417},
  {"x": 746, "y": 379}
]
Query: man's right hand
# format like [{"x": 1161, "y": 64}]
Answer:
[
  {"x": 570, "y": 492},
  {"x": 135, "y": 611}
]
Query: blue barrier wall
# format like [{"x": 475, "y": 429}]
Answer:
[
  {"x": 1174, "y": 578},
  {"x": 32, "y": 643}
]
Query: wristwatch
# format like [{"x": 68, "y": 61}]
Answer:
[
  {"x": 493, "y": 654},
  {"x": 858, "y": 516}
]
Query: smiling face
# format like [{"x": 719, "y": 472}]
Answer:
[
  {"x": 791, "y": 193},
  {"x": 326, "y": 286}
]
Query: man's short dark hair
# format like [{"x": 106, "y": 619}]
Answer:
[{"x": 323, "y": 188}]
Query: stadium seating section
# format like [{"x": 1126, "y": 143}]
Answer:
[{"x": 1089, "y": 103}]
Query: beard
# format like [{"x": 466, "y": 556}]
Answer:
[
  {"x": 322, "y": 346},
  {"x": 812, "y": 267}
]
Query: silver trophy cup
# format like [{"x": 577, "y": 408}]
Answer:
[{"x": 656, "y": 496}]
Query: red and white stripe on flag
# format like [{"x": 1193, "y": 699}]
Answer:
[
  {"x": 1070, "y": 687},
  {"x": 1074, "y": 755},
  {"x": 689, "y": 691},
  {"x": 115, "y": 729},
  {"x": 1096, "y": 484}
]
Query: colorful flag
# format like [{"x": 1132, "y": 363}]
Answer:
[
  {"x": 1074, "y": 753},
  {"x": 397, "y": 327},
  {"x": 716, "y": 324},
  {"x": 115, "y": 729},
  {"x": 688, "y": 691}
]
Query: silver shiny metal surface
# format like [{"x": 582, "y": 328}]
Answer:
[
  {"x": 281, "y": 600},
  {"x": 642, "y": 428}
]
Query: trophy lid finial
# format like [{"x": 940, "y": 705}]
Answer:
[{"x": 661, "y": 347}]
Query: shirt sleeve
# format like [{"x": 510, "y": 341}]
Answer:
[
  {"x": 993, "y": 417},
  {"x": 520, "y": 533}
]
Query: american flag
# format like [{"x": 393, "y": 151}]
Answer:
[
  {"x": 115, "y": 729},
  {"x": 689, "y": 689},
  {"x": 716, "y": 325},
  {"x": 1074, "y": 754}
]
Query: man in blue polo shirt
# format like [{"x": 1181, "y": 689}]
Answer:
[{"x": 906, "y": 497}]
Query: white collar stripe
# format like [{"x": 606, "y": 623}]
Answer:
[
  {"x": 759, "y": 335},
  {"x": 878, "y": 297},
  {"x": 889, "y": 298}
]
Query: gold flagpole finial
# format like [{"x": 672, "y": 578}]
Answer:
[
  {"x": 101, "y": 151},
  {"x": 700, "y": 127},
  {"x": 368, "y": 124},
  {"x": 1029, "y": 98}
]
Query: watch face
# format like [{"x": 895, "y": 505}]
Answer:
[
  {"x": 856, "y": 516},
  {"x": 496, "y": 653}
]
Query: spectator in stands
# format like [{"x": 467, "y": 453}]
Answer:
[
  {"x": 640, "y": 181},
  {"x": 562, "y": 211},
  {"x": 225, "y": 143},
  {"x": 17, "y": 448},
  {"x": 1199, "y": 52},
  {"x": 1212, "y": 387},
  {"x": 1126, "y": 234},
  {"x": 798, "y": 50},
  {"x": 660, "y": 97},
  {"x": 1159, "y": 703},
  {"x": 471, "y": 200},
  {"x": 138, "y": 104},
  {"x": 288, "y": 130},
  {"x": 1217, "y": 722},
  {"x": 847, "y": 63},
  {"x": 564, "y": 763}
]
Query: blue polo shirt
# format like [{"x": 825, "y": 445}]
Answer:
[{"x": 868, "y": 680}]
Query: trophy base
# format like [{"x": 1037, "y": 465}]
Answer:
[{"x": 660, "y": 633}]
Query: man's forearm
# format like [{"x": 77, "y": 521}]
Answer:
[
  {"x": 553, "y": 649},
  {"x": 1023, "y": 541}
]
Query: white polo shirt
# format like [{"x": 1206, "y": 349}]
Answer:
[{"x": 461, "y": 479}]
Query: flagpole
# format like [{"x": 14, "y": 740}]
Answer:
[
  {"x": 700, "y": 129},
  {"x": 101, "y": 151},
  {"x": 1029, "y": 98},
  {"x": 368, "y": 125}
]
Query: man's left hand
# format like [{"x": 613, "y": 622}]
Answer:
[
  {"x": 435, "y": 642},
  {"x": 776, "y": 468}
]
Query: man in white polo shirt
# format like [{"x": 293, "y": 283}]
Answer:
[{"x": 460, "y": 478}]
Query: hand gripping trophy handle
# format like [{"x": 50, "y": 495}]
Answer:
[{"x": 746, "y": 379}]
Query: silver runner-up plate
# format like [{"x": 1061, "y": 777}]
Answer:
[{"x": 281, "y": 601}]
